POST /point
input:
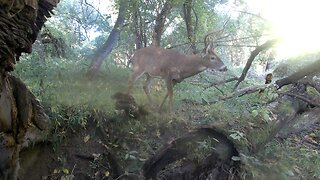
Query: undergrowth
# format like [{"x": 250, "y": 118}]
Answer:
[{"x": 71, "y": 99}]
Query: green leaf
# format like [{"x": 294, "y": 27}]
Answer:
[
  {"x": 235, "y": 136},
  {"x": 235, "y": 158},
  {"x": 265, "y": 116},
  {"x": 255, "y": 113},
  {"x": 65, "y": 171}
]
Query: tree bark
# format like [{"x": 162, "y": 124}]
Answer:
[
  {"x": 106, "y": 48},
  {"x": 160, "y": 23},
  {"x": 187, "y": 11},
  {"x": 139, "y": 29},
  {"x": 22, "y": 118}
]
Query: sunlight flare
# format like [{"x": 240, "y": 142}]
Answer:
[{"x": 295, "y": 22}]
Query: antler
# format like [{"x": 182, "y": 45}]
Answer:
[
  {"x": 217, "y": 36},
  {"x": 211, "y": 44}
]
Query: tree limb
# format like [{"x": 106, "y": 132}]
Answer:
[
  {"x": 241, "y": 92},
  {"x": 254, "y": 53},
  {"x": 305, "y": 71}
]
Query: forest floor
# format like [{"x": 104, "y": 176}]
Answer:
[
  {"x": 92, "y": 140},
  {"x": 108, "y": 147}
]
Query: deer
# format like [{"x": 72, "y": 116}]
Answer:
[{"x": 171, "y": 66}]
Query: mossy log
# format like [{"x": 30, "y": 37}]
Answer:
[{"x": 224, "y": 165}]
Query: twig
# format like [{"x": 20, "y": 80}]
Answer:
[
  {"x": 237, "y": 45},
  {"x": 219, "y": 89},
  {"x": 252, "y": 14}
]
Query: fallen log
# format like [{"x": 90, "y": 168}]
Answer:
[
  {"x": 217, "y": 163},
  {"x": 282, "y": 112}
]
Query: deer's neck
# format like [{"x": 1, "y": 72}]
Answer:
[{"x": 194, "y": 66}]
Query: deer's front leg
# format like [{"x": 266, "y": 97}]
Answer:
[{"x": 164, "y": 100}]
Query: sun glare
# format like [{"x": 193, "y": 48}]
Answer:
[{"x": 295, "y": 22}]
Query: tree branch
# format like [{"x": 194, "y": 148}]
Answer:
[
  {"x": 254, "y": 53},
  {"x": 241, "y": 92},
  {"x": 305, "y": 71}
]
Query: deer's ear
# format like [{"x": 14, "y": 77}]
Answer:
[{"x": 208, "y": 49}]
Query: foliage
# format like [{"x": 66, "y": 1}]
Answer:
[
  {"x": 296, "y": 157},
  {"x": 71, "y": 100}
]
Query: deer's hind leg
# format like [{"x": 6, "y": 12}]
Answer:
[
  {"x": 170, "y": 84},
  {"x": 146, "y": 86}
]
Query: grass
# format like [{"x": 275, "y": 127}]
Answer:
[{"x": 62, "y": 86}]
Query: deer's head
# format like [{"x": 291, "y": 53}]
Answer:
[{"x": 210, "y": 58}]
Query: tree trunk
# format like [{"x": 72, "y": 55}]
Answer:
[
  {"x": 22, "y": 118},
  {"x": 106, "y": 48},
  {"x": 187, "y": 10},
  {"x": 22, "y": 123},
  {"x": 139, "y": 28},
  {"x": 160, "y": 22}
]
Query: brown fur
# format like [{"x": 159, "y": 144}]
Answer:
[{"x": 268, "y": 78}]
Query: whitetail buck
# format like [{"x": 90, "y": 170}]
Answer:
[{"x": 171, "y": 66}]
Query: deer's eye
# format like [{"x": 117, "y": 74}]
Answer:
[{"x": 213, "y": 58}]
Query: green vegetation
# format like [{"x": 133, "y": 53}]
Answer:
[
  {"x": 56, "y": 74},
  {"x": 71, "y": 100}
]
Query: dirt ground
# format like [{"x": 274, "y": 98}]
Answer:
[{"x": 102, "y": 150}]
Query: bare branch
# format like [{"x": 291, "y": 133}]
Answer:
[
  {"x": 239, "y": 45},
  {"x": 252, "y": 14},
  {"x": 254, "y": 53},
  {"x": 241, "y": 92},
  {"x": 305, "y": 71},
  {"x": 97, "y": 10},
  {"x": 244, "y": 38}
]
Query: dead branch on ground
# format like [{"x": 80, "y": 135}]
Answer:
[{"x": 241, "y": 92}]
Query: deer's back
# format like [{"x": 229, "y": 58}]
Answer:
[{"x": 158, "y": 57}]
